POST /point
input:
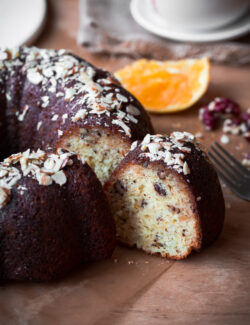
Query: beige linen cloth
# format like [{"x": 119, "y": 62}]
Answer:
[{"x": 106, "y": 26}]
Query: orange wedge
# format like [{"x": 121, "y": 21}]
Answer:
[{"x": 166, "y": 87}]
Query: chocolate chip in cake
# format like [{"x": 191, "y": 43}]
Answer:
[
  {"x": 193, "y": 208},
  {"x": 143, "y": 203},
  {"x": 98, "y": 133},
  {"x": 156, "y": 242},
  {"x": 159, "y": 189},
  {"x": 173, "y": 208},
  {"x": 119, "y": 187}
]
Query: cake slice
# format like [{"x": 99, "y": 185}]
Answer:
[{"x": 165, "y": 196}]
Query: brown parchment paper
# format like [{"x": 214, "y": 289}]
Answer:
[{"x": 86, "y": 297}]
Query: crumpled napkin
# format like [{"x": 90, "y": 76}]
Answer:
[{"x": 106, "y": 26}]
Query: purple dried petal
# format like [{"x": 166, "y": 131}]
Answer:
[
  {"x": 222, "y": 108},
  {"x": 245, "y": 117},
  {"x": 226, "y": 106},
  {"x": 236, "y": 121},
  {"x": 208, "y": 118},
  {"x": 217, "y": 109}
]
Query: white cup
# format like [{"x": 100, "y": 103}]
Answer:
[{"x": 199, "y": 15}]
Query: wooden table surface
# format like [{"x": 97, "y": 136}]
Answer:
[{"x": 211, "y": 287}]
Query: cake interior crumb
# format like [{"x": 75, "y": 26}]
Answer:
[
  {"x": 155, "y": 223},
  {"x": 99, "y": 149}
]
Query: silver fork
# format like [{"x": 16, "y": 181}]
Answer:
[{"x": 231, "y": 171}]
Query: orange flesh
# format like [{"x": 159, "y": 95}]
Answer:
[{"x": 161, "y": 85}]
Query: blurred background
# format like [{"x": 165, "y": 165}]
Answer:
[{"x": 157, "y": 29}]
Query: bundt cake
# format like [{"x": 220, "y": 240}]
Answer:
[
  {"x": 165, "y": 196},
  {"x": 52, "y": 99},
  {"x": 53, "y": 216}
]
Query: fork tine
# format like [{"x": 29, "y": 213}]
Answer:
[
  {"x": 235, "y": 161},
  {"x": 219, "y": 166},
  {"x": 225, "y": 179},
  {"x": 231, "y": 186},
  {"x": 234, "y": 173}
]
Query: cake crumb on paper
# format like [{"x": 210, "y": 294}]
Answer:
[{"x": 224, "y": 139}]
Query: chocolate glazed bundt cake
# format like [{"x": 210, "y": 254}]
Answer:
[
  {"x": 166, "y": 197},
  {"x": 52, "y": 99},
  {"x": 53, "y": 216}
]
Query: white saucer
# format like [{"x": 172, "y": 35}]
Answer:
[
  {"x": 21, "y": 21},
  {"x": 143, "y": 15}
]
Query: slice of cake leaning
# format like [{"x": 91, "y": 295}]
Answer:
[{"x": 166, "y": 197}]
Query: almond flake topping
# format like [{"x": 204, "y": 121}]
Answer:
[
  {"x": 4, "y": 196},
  {"x": 54, "y": 117},
  {"x": 45, "y": 100},
  {"x": 61, "y": 75},
  {"x": 39, "y": 125},
  {"x": 81, "y": 114},
  {"x": 124, "y": 127},
  {"x": 42, "y": 167},
  {"x": 34, "y": 77},
  {"x": 186, "y": 169},
  {"x": 133, "y": 110},
  {"x": 64, "y": 117},
  {"x": 59, "y": 177},
  {"x": 21, "y": 116},
  {"x": 172, "y": 150},
  {"x": 121, "y": 98},
  {"x": 134, "y": 145}
]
